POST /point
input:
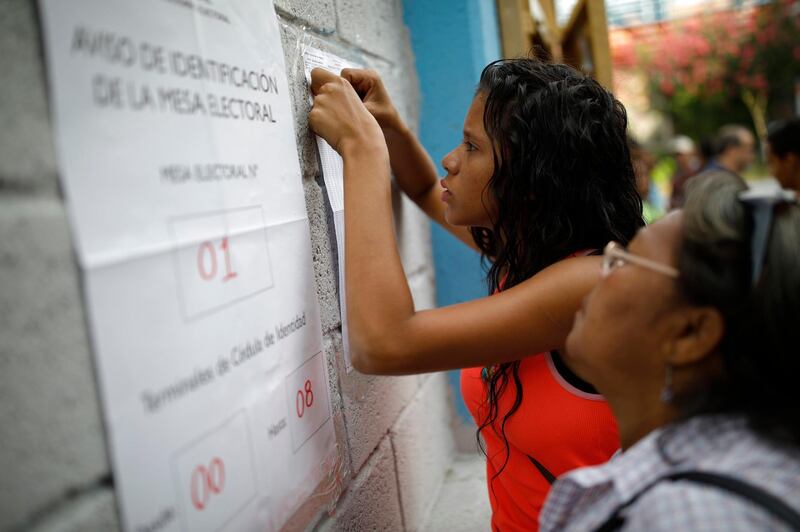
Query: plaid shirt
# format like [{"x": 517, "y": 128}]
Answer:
[{"x": 585, "y": 498}]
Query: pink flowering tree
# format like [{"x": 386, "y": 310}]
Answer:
[{"x": 748, "y": 55}]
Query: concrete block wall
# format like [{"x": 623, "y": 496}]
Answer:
[
  {"x": 466, "y": 37},
  {"x": 393, "y": 434}
]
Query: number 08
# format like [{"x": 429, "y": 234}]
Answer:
[{"x": 304, "y": 399}]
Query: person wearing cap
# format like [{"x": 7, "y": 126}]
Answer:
[{"x": 687, "y": 165}]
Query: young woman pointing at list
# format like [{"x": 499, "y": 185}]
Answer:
[{"x": 541, "y": 180}]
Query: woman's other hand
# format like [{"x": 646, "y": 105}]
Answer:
[
  {"x": 339, "y": 116},
  {"x": 370, "y": 88}
]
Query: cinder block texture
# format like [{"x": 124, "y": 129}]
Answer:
[
  {"x": 371, "y": 406},
  {"x": 27, "y": 157},
  {"x": 413, "y": 237},
  {"x": 372, "y": 502},
  {"x": 323, "y": 251},
  {"x": 91, "y": 512},
  {"x": 377, "y": 27},
  {"x": 293, "y": 40},
  {"x": 402, "y": 84},
  {"x": 332, "y": 343},
  {"x": 424, "y": 448},
  {"x": 319, "y": 15},
  {"x": 52, "y": 431}
]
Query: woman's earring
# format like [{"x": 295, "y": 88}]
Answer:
[{"x": 667, "y": 395}]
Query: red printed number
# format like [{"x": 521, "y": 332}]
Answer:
[
  {"x": 207, "y": 481},
  {"x": 207, "y": 261},
  {"x": 304, "y": 399}
]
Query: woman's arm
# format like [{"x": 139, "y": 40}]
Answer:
[
  {"x": 387, "y": 336},
  {"x": 533, "y": 317},
  {"x": 413, "y": 169}
]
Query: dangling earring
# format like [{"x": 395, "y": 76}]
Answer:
[{"x": 667, "y": 395}]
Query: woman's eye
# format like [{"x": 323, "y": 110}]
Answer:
[{"x": 469, "y": 146}]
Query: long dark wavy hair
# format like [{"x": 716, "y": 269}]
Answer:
[{"x": 562, "y": 182}]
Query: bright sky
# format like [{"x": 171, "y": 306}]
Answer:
[{"x": 637, "y": 11}]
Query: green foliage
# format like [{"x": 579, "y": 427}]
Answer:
[
  {"x": 723, "y": 66},
  {"x": 701, "y": 115}
]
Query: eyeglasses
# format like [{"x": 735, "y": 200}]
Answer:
[{"x": 615, "y": 255}]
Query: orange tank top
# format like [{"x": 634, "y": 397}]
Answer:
[{"x": 557, "y": 425}]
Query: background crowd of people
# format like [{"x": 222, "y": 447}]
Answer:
[{"x": 733, "y": 149}]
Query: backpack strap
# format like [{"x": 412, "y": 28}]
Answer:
[
  {"x": 745, "y": 490},
  {"x": 548, "y": 476}
]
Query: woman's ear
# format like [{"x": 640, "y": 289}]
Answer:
[{"x": 699, "y": 331}]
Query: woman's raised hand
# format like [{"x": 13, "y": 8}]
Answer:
[
  {"x": 339, "y": 116},
  {"x": 370, "y": 88}
]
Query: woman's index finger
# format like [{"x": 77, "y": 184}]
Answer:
[
  {"x": 359, "y": 78},
  {"x": 319, "y": 77},
  {"x": 353, "y": 74}
]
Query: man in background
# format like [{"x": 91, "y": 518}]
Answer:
[
  {"x": 735, "y": 149},
  {"x": 783, "y": 152}
]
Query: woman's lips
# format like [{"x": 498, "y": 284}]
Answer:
[{"x": 446, "y": 194}]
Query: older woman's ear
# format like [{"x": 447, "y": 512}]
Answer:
[{"x": 698, "y": 333}]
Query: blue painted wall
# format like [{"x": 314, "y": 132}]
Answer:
[{"x": 452, "y": 41}]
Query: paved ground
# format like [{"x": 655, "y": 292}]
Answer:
[{"x": 463, "y": 505}]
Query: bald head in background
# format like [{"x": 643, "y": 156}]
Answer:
[{"x": 735, "y": 147}]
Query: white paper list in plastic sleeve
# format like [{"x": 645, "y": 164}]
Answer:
[{"x": 333, "y": 176}]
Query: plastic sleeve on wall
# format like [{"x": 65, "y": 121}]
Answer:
[{"x": 332, "y": 487}]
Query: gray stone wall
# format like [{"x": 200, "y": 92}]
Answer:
[{"x": 393, "y": 434}]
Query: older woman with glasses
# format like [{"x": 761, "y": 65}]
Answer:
[{"x": 692, "y": 336}]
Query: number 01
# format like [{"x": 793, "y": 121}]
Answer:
[{"x": 207, "y": 261}]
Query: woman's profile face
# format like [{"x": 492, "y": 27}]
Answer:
[
  {"x": 469, "y": 167},
  {"x": 620, "y": 337}
]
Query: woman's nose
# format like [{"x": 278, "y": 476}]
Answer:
[{"x": 450, "y": 162}]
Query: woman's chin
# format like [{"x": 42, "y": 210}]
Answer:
[{"x": 452, "y": 218}]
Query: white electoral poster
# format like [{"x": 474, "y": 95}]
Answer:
[{"x": 179, "y": 166}]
